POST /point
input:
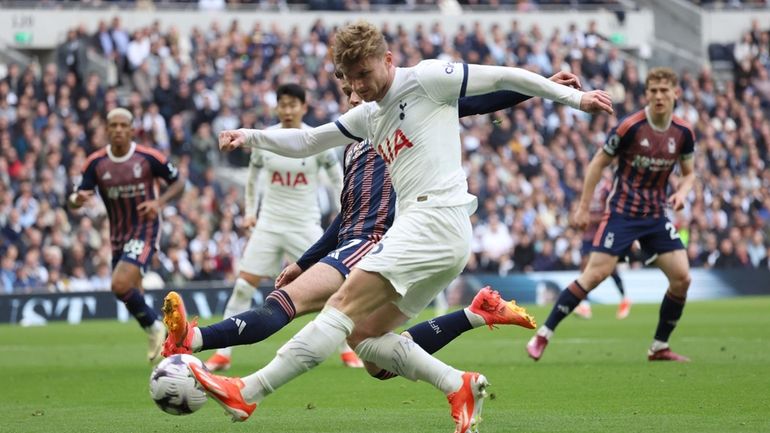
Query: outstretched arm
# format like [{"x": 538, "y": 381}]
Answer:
[
  {"x": 294, "y": 143},
  {"x": 490, "y": 102},
  {"x": 483, "y": 79},
  {"x": 502, "y": 99}
]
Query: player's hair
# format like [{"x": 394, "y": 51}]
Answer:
[
  {"x": 662, "y": 74},
  {"x": 346, "y": 89},
  {"x": 291, "y": 89},
  {"x": 120, "y": 111},
  {"x": 356, "y": 42}
]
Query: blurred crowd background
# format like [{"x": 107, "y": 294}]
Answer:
[
  {"x": 364, "y": 5},
  {"x": 525, "y": 164}
]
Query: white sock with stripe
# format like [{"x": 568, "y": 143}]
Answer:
[
  {"x": 403, "y": 356},
  {"x": 309, "y": 347}
]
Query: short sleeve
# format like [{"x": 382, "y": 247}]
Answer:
[
  {"x": 615, "y": 143},
  {"x": 688, "y": 147},
  {"x": 443, "y": 82},
  {"x": 163, "y": 168},
  {"x": 353, "y": 123},
  {"x": 88, "y": 182}
]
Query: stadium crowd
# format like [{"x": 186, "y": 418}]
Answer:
[
  {"x": 525, "y": 164},
  {"x": 323, "y": 5},
  {"x": 366, "y": 5}
]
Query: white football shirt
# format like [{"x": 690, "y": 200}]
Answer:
[
  {"x": 415, "y": 129},
  {"x": 290, "y": 197}
]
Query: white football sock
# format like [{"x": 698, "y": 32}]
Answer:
[
  {"x": 476, "y": 320},
  {"x": 197, "y": 340},
  {"x": 545, "y": 332},
  {"x": 344, "y": 347},
  {"x": 308, "y": 348},
  {"x": 658, "y": 345},
  {"x": 155, "y": 327},
  {"x": 240, "y": 301},
  {"x": 402, "y": 356}
]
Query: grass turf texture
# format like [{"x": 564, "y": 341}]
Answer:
[{"x": 593, "y": 378}]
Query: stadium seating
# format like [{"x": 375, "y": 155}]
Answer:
[{"x": 524, "y": 164}]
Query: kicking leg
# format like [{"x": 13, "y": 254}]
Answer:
[
  {"x": 359, "y": 295},
  {"x": 304, "y": 295},
  {"x": 239, "y": 301}
]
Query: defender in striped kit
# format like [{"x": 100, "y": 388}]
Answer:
[
  {"x": 648, "y": 145},
  {"x": 126, "y": 177}
]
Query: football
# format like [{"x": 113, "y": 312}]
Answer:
[{"x": 173, "y": 387}]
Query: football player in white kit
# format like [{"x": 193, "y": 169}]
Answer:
[
  {"x": 289, "y": 216},
  {"x": 412, "y": 118}
]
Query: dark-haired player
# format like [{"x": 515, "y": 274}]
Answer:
[
  {"x": 126, "y": 176},
  {"x": 648, "y": 144}
]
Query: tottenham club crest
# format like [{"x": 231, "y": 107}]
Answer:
[
  {"x": 671, "y": 145},
  {"x": 137, "y": 170}
]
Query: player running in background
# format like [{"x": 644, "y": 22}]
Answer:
[
  {"x": 126, "y": 175},
  {"x": 412, "y": 123},
  {"x": 648, "y": 144},
  {"x": 289, "y": 215},
  {"x": 368, "y": 207},
  {"x": 596, "y": 213}
]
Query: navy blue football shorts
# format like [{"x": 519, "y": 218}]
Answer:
[
  {"x": 618, "y": 232},
  {"x": 136, "y": 251},
  {"x": 349, "y": 252}
]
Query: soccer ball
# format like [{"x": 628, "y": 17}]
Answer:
[{"x": 173, "y": 387}]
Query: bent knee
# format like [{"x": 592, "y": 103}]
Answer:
[
  {"x": 680, "y": 284},
  {"x": 592, "y": 277},
  {"x": 120, "y": 286}
]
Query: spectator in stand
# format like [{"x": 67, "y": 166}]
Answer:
[{"x": 496, "y": 244}]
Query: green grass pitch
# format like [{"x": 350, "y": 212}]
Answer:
[{"x": 593, "y": 378}]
